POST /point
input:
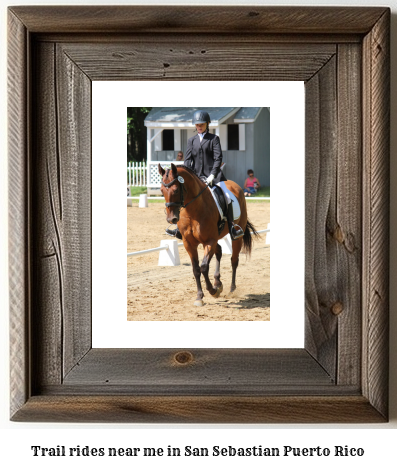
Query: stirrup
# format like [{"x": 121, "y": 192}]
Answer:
[
  {"x": 174, "y": 233},
  {"x": 236, "y": 233}
]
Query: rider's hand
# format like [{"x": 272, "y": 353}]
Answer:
[{"x": 210, "y": 179}]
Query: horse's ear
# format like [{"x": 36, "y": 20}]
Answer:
[
  {"x": 161, "y": 170},
  {"x": 174, "y": 171}
]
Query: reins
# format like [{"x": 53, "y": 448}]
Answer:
[{"x": 182, "y": 188}]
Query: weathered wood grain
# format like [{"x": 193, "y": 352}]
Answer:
[
  {"x": 347, "y": 226},
  {"x": 199, "y": 409},
  {"x": 333, "y": 215},
  {"x": 48, "y": 296},
  {"x": 337, "y": 378},
  {"x": 18, "y": 223},
  {"x": 62, "y": 208},
  {"x": 196, "y": 19},
  {"x": 205, "y": 369},
  {"x": 376, "y": 111},
  {"x": 73, "y": 89},
  {"x": 198, "y": 58},
  {"x": 245, "y": 37},
  {"x": 321, "y": 277}
]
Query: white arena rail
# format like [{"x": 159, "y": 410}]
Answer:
[
  {"x": 166, "y": 247},
  {"x": 141, "y": 252},
  {"x": 170, "y": 256},
  {"x": 257, "y": 198}
]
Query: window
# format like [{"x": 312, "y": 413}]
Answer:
[
  {"x": 168, "y": 139},
  {"x": 232, "y": 137}
]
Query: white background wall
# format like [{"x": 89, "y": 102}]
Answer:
[{"x": 379, "y": 441}]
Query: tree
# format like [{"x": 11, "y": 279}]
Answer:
[{"x": 136, "y": 134}]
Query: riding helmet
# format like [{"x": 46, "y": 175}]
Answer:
[{"x": 200, "y": 117}]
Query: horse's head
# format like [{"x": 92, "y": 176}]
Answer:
[{"x": 172, "y": 190}]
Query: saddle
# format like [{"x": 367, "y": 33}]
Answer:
[
  {"x": 223, "y": 197},
  {"x": 221, "y": 203}
]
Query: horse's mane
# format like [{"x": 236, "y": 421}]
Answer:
[{"x": 190, "y": 170}]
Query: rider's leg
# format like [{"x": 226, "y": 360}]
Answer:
[
  {"x": 174, "y": 233},
  {"x": 235, "y": 231}
]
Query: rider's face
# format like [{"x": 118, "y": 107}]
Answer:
[{"x": 201, "y": 127}]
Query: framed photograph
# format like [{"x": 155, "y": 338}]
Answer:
[
  {"x": 160, "y": 292},
  {"x": 340, "y": 374}
]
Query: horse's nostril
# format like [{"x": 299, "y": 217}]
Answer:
[{"x": 174, "y": 220}]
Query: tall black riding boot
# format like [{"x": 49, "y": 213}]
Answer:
[
  {"x": 235, "y": 231},
  {"x": 174, "y": 233}
]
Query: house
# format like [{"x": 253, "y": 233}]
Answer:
[{"x": 244, "y": 134}]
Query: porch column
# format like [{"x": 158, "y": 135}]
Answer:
[{"x": 149, "y": 155}]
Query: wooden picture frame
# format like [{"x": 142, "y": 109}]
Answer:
[{"x": 342, "y": 54}]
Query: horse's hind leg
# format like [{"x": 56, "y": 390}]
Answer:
[
  {"x": 236, "y": 248},
  {"x": 217, "y": 274}
]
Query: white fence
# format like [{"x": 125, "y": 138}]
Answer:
[
  {"x": 136, "y": 174},
  {"x": 154, "y": 176},
  {"x": 139, "y": 175}
]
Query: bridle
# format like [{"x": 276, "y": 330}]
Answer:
[{"x": 182, "y": 188}]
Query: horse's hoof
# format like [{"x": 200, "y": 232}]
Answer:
[
  {"x": 219, "y": 290},
  {"x": 199, "y": 303}
]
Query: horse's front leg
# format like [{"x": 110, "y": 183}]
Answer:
[
  {"x": 209, "y": 251},
  {"x": 192, "y": 251}
]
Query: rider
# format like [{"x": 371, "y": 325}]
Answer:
[{"x": 204, "y": 156}]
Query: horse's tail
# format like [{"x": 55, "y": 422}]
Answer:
[{"x": 247, "y": 238}]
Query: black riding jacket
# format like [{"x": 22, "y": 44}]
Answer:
[{"x": 205, "y": 157}]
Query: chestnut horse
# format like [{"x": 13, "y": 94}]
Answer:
[{"x": 190, "y": 205}]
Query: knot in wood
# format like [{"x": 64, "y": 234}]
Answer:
[
  {"x": 183, "y": 358},
  {"x": 337, "y": 308},
  {"x": 338, "y": 235}
]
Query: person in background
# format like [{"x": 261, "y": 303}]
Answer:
[
  {"x": 179, "y": 157},
  {"x": 251, "y": 184}
]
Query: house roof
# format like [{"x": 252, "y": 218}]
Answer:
[
  {"x": 247, "y": 114},
  {"x": 182, "y": 117},
  {"x": 185, "y": 115}
]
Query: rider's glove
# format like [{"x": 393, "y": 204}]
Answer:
[{"x": 210, "y": 179}]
